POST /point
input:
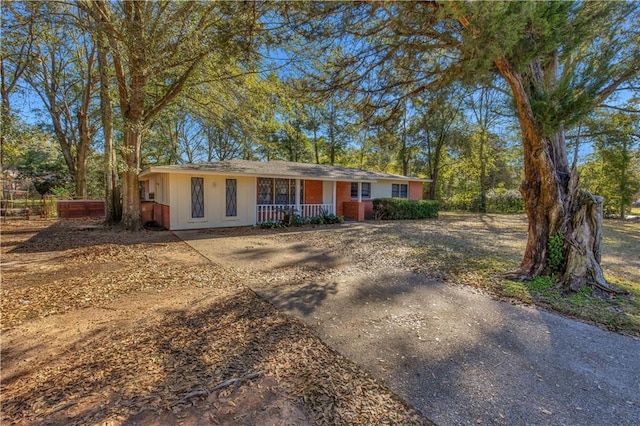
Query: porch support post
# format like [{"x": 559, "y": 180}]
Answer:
[
  {"x": 335, "y": 202},
  {"x": 359, "y": 192},
  {"x": 255, "y": 199},
  {"x": 297, "y": 197}
]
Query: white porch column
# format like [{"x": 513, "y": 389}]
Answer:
[
  {"x": 255, "y": 200},
  {"x": 359, "y": 192},
  {"x": 297, "y": 197},
  {"x": 334, "y": 201}
]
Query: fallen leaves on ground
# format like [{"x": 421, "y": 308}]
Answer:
[{"x": 166, "y": 366}]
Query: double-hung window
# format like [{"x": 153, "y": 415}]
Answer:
[
  {"x": 365, "y": 188},
  {"x": 399, "y": 190},
  {"x": 354, "y": 190}
]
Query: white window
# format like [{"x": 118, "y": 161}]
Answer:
[
  {"x": 399, "y": 190},
  {"x": 366, "y": 190},
  {"x": 276, "y": 191}
]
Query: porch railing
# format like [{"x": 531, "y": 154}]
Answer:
[{"x": 277, "y": 212}]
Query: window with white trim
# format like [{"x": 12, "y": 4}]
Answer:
[
  {"x": 231, "y": 197},
  {"x": 366, "y": 190},
  {"x": 354, "y": 190},
  {"x": 399, "y": 190},
  {"x": 276, "y": 191}
]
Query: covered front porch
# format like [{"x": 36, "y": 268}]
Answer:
[{"x": 278, "y": 199}]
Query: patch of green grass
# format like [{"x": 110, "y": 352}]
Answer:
[
  {"x": 517, "y": 291},
  {"x": 541, "y": 285},
  {"x": 476, "y": 250},
  {"x": 620, "y": 313}
]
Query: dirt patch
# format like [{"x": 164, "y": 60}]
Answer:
[{"x": 112, "y": 327}]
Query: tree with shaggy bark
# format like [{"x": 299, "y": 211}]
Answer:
[{"x": 559, "y": 61}]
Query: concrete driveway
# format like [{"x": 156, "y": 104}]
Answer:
[{"x": 458, "y": 356}]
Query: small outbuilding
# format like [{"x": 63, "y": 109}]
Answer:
[{"x": 242, "y": 192}]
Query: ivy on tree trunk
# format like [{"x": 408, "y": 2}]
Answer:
[{"x": 553, "y": 202}]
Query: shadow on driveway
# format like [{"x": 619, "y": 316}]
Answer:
[
  {"x": 461, "y": 357},
  {"x": 455, "y": 354}
]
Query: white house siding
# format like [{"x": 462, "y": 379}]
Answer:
[
  {"x": 214, "y": 202},
  {"x": 159, "y": 186},
  {"x": 327, "y": 192}
]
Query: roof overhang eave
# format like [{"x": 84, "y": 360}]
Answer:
[{"x": 162, "y": 169}]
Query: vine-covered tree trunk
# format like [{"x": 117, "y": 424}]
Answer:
[{"x": 553, "y": 203}]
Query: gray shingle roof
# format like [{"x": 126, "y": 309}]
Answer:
[{"x": 286, "y": 169}]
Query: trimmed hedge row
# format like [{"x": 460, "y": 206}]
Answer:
[{"x": 401, "y": 208}]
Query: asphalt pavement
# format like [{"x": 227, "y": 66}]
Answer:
[{"x": 461, "y": 357}]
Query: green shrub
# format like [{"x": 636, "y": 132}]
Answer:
[
  {"x": 499, "y": 201},
  {"x": 269, "y": 224},
  {"x": 297, "y": 220},
  {"x": 326, "y": 218},
  {"x": 401, "y": 208},
  {"x": 457, "y": 202},
  {"x": 496, "y": 201}
]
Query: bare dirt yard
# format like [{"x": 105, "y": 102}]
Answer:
[
  {"x": 101, "y": 326},
  {"x": 108, "y": 327}
]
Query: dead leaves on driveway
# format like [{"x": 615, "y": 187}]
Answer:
[{"x": 163, "y": 365}]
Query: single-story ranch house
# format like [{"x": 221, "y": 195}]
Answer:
[{"x": 241, "y": 192}]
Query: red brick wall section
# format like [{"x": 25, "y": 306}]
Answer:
[
  {"x": 353, "y": 210},
  {"x": 165, "y": 217},
  {"x": 343, "y": 194},
  {"x": 146, "y": 210},
  {"x": 157, "y": 212},
  {"x": 312, "y": 192},
  {"x": 368, "y": 209},
  {"x": 416, "y": 190},
  {"x": 161, "y": 215}
]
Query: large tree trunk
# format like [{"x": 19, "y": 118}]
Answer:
[
  {"x": 111, "y": 181},
  {"x": 131, "y": 218},
  {"x": 554, "y": 205},
  {"x": 82, "y": 152},
  {"x": 583, "y": 251}
]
